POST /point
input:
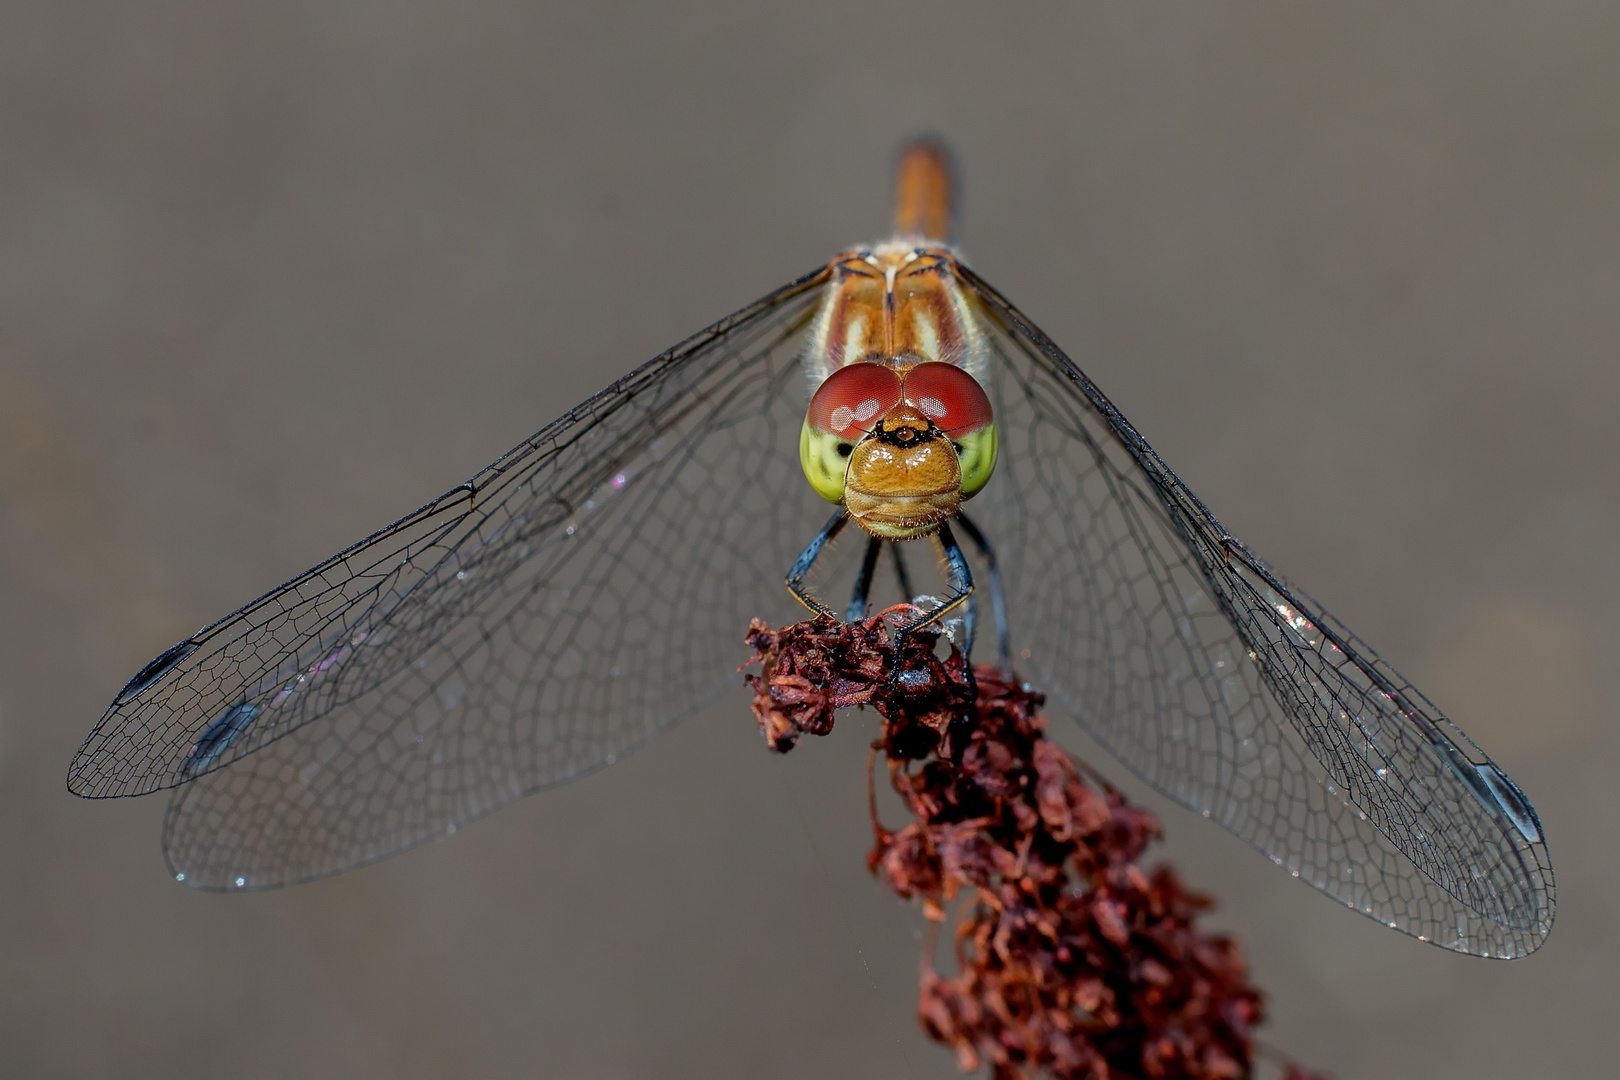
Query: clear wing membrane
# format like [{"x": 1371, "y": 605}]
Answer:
[
  {"x": 580, "y": 595},
  {"x": 1230, "y": 691},
  {"x": 589, "y": 590}
]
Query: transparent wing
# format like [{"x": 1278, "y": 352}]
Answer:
[
  {"x": 1227, "y": 689},
  {"x": 573, "y": 600},
  {"x": 587, "y": 591}
]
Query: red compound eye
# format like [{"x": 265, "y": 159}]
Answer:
[
  {"x": 948, "y": 396},
  {"x": 852, "y": 398}
]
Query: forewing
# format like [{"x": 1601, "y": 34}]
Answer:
[
  {"x": 573, "y": 600},
  {"x": 1227, "y": 689}
]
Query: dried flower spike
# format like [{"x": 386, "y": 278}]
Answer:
[{"x": 1071, "y": 961}]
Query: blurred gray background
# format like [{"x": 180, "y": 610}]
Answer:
[{"x": 272, "y": 274}]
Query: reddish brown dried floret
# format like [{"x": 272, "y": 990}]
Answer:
[{"x": 1070, "y": 960}]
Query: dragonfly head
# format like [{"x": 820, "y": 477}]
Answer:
[{"x": 900, "y": 450}]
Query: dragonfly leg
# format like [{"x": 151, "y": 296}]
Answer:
[
  {"x": 961, "y": 585},
  {"x": 998, "y": 599},
  {"x": 863, "y": 581},
  {"x": 961, "y": 579},
  {"x": 970, "y": 628},
  {"x": 807, "y": 559}
]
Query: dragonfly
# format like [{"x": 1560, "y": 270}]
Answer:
[{"x": 589, "y": 589}]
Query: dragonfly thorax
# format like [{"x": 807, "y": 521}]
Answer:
[{"x": 895, "y": 304}]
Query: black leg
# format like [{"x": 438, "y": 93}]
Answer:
[
  {"x": 970, "y": 628},
  {"x": 863, "y": 581},
  {"x": 961, "y": 583},
  {"x": 961, "y": 578},
  {"x": 961, "y": 592},
  {"x": 807, "y": 559},
  {"x": 970, "y": 611},
  {"x": 998, "y": 599}
]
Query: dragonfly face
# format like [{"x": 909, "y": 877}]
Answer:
[
  {"x": 904, "y": 477},
  {"x": 898, "y": 430}
]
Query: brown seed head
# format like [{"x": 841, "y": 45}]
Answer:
[{"x": 1071, "y": 960}]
